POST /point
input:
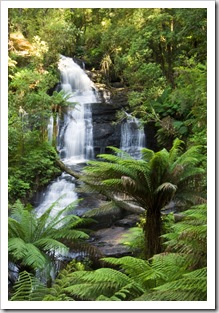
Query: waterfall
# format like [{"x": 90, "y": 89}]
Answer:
[
  {"x": 132, "y": 137},
  {"x": 63, "y": 189},
  {"x": 76, "y": 135},
  {"x": 50, "y": 128}
]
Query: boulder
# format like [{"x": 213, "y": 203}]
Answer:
[{"x": 109, "y": 241}]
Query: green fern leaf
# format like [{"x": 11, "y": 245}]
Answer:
[
  {"x": 17, "y": 248},
  {"x": 28, "y": 288}
]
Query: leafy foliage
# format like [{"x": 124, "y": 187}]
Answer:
[
  {"x": 169, "y": 276},
  {"x": 189, "y": 236},
  {"x": 36, "y": 242},
  {"x": 31, "y": 164},
  {"x": 26, "y": 286},
  {"x": 191, "y": 287},
  {"x": 150, "y": 183}
]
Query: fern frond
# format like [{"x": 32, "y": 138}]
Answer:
[
  {"x": 118, "y": 153},
  {"x": 42, "y": 220},
  {"x": 16, "y": 248},
  {"x": 189, "y": 236},
  {"x": 71, "y": 234},
  {"x": 63, "y": 222},
  {"x": 51, "y": 245},
  {"x": 28, "y": 288},
  {"x": 147, "y": 154},
  {"x": 138, "y": 270},
  {"x": 176, "y": 149},
  {"x": 172, "y": 265},
  {"x": 124, "y": 294},
  {"x": 130, "y": 265},
  {"x": 14, "y": 229},
  {"x": 105, "y": 298},
  {"x": 197, "y": 214},
  {"x": 26, "y": 220},
  {"x": 113, "y": 183},
  {"x": 83, "y": 221},
  {"x": 166, "y": 187},
  {"x": 107, "y": 170},
  {"x": 104, "y": 281},
  {"x": 194, "y": 282},
  {"x": 191, "y": 287},
  {"x": 63, "y": 280},
  {"x": 192, "y": 154},
  {"x": 33, "y": 257},
  {"x": 55, "y": 220}
]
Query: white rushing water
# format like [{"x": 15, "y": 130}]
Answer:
[
  {"x": 62, "y": 189},
  {"x": 75, "y": 138},
  {"x": 50, "y": 128},
  {"x": 132, "y": 137},
  {"x": 77, "y": 131}
]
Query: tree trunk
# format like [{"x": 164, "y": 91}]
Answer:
[{"x": 152, "y": 230}]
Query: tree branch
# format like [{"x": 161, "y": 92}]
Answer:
[
  {"x": 66, "y": 169},
  {"x": 118, "y": 201}
]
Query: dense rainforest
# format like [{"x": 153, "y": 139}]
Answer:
[{"x": 157, "y": 58}]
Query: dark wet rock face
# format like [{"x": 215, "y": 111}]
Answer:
[
  {"x": 105, "y": 131},
  {"x": 109, "y": 241},
  {"x": 106, "y": 128},
  {"x": 128, "y": 221}
]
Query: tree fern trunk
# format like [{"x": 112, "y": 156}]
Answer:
[{"x": 152, "y": 230}]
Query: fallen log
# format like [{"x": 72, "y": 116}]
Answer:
[
  {"x": 117, "y": 200},
  {"x": 66, "y": 169}
]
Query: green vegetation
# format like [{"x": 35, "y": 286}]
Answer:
[
  {"x": 36, "y": 243},
  {"x": 158, "y": 56},
  {"x": 148, "y": 184},
  {"x": 175, "y": 275}
]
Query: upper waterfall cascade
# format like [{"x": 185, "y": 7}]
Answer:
[{"x": 76, "y": 134}]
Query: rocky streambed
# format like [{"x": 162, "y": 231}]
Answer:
[{"x": 110, "y": 230}]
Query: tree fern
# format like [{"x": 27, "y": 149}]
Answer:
[
  {"x": 150, "y": 184},
  {"x": 35, "y": 242}
]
